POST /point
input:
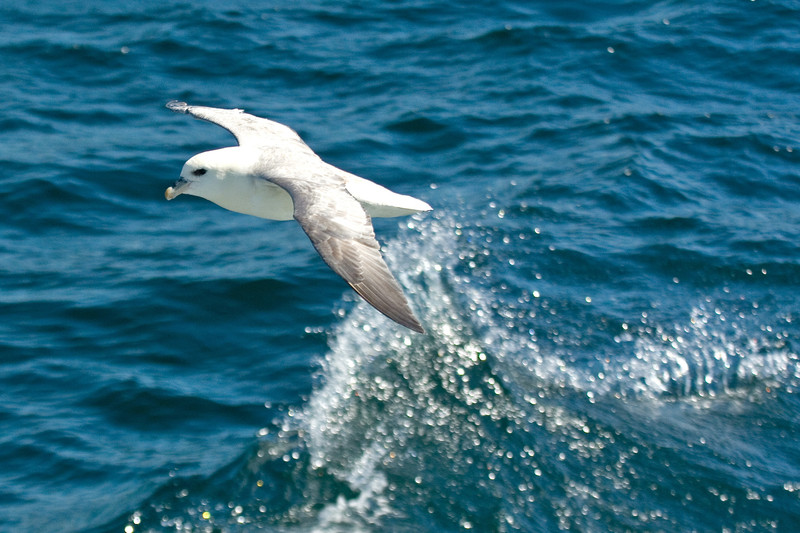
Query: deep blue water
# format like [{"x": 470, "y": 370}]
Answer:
[{"x": 609, "y": 280}]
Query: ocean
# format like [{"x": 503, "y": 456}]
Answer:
[{"x": 608, "y": 280}]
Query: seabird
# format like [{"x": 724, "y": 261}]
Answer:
[{"x": 273, "y": 174}]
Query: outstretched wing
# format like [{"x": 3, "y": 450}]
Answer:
[
  {"x": 248, "y": 129},
  {"x": 342, "y": 233}
]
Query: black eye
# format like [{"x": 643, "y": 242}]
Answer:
[{"x": 199, "y": 171}]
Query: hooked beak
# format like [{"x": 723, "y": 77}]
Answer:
[{"x": 176, "y": 189}]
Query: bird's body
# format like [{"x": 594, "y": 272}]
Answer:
[{"x": 273, "y": 174}]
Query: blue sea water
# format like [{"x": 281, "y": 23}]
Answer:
[{"x": 609, "y": 280}]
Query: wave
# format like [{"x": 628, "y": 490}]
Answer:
[
  {"x": 483, "y": 424},
  {"x": 478, "y": 398}
]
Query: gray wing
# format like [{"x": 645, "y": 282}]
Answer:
[
  {"x": 342, "y": 233},
  {"x": 248, "y": 129}
]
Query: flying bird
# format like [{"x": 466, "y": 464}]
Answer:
[{"x": 273, "y": 174}]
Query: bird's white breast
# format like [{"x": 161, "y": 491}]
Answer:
[{"x": 252, "y": 196}]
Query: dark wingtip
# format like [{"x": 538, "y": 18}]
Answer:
[
  {"x": 397, "y": 310},
  {"x": 413, "y": 324},
  {"x": 405, "y": 318},
  {"x": 409, "y": 322},
  {"x": 179, "y": 107}
]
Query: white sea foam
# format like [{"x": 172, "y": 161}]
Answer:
[
  {"x": 708, "y": 355},
  {"x": 364, "y": 511},
  {"x": 387, "y": 396}
]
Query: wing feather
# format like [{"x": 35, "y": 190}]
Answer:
[
  {"x": 248, "y": 129},
  {"x": 342, "y": 233}
]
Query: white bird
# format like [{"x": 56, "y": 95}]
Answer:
[{"x": 273, "y": 174}]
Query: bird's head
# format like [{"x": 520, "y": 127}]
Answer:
[{"x": 207, "y": 173}]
